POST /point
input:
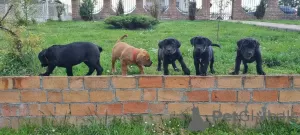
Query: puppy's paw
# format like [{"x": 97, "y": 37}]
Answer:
[
  {"x": 213, "y": 71},
  {"x": 176, "y": 69},
  {"x": 233, "y": 73},
  {"x": 158, "y": 69},
  {"x": 262, "y": 73},
  {"x": 187, "y": 71},
  {"x": 203, "y": 74}
]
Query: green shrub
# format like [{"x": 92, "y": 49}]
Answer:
[
  {"x": 192, "y": 10},
  {"x": 131, "y": 21},
  {"x": 120, "y": 8},
  {"x": 260, "y": 10},
  {"x": 86, "y": 10}
]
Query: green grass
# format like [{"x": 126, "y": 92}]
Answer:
[
  {"x": 280, "y": 49},
  {"x": 294, "y": 22},
  {"x": 138, "y": 126}
]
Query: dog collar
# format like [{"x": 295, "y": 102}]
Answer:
[{"x": 134, "y": 55}]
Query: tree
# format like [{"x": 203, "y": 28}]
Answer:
[
  {"x": 222, "y": 4},
  {"x": 192, "y": 10},
  {"x": 60, "y": 9},
  {"x": 260, "y": 10},
  {"x": 120, "y": 8},
  {"x": 87, "y": 9},
  {"x": 292, "y": 3}
]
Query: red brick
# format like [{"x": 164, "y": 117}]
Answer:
[
  {"x": 111, "y": 109},
  {"x": 76, "y": 82},
  {"x": 230, "y": 108},
  {"x": 6, "y": 83},
  {"x": 177, "y": 82},
  {"x": 254, "y": 109},
  {"x": 157, "y": 108},
  {"x": 124, "y": 82},
  {"x": 296, "y": 81},
  {"x": 203, "y": 82},
  {"x": 150, "y": 82},
  {"x": 41, "y": 109},
  {"x": 254, "y": 82},
  {"x": 223, "y": 96},
  {"x": 169, "y": 95},
  {"x": 277, "y": 82},
  {"x": 9, "y": 97},
  {"x": 208, "y": 109},
  {"x": 197, "y": 95},
  {"x": 244, "y": 96},
  {"x": 102, "y": 96},
  {"x": 23, "y": 110},
  {"x": 27, "y": 82},
  {"x": 9, "y": 110},
  {"x": 54, "y": 96},
  {"x": 289, "y": 96},
  {"x": 96, "y": 82},
  {"x": 229, "y": 82},
  {"x": 76, "y": 96},
  {"x": 128, "y": 95},
  {"x": 62, "y": 109},
  {"x": 280, "y": 108},
  {"x": 33, "y": 96},
  {"x": 265, "y": 96},
  {"x": 135, "y": 107},
  {"x": 179, "y": 108},
  {"x": 55, "y": 82},
  {"x": 296, "y": 109},
  {"x": 149, "y": 94},
  {"x": 85, "y": 109}
]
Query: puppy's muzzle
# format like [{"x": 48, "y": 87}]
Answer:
[{"x": 148, "y": 65}]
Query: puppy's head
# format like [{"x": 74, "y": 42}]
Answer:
[
  {"x": 169, "y": 45},
  {"x": 43, "y": 59},
  {"x": 200, "y": 44},
  {"x": 143, "y": 58},
  {"x": 247, "y": 47}
]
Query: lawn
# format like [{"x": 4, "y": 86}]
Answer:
[
  {"x": 294, "y": 22},
  {"x": 138, "y": 126},
  {"x": 280, "y": 49}
]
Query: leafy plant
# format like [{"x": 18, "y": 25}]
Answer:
[
  {"x": 86, "y": 10},
  {"x": 131, "y": 21}
]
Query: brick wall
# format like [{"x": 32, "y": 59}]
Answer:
[{"x": 82, "y": 97}]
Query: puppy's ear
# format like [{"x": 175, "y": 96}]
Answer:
[
  {"x": 239, "y": 43},
  {"x": 192, "y": 40},
  {"x": 178, "y": 44},
  {"x": 208, "y": 42},
  {"x": 257, "y": 44},
  {"x": 43, "y": 53},
  {"x": 161, "y": 43}
]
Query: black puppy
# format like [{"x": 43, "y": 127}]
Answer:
[
  {"x": 169, "y": 52},
  {"x": 248, "y": 51},
  {"x": 70, "y": 55},
  {"x": 203, "y": 54}
]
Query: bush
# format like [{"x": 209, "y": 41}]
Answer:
[
  {"x": 86, "y": 10},
  {"x": 131, "y": 21},
  {"x": 120, "y": 8},
  {"x": 260, "y": 10},
  {"x": 192, "y": 10}
]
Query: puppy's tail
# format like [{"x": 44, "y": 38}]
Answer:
[
  {"x": 100, "y": 48},
  {"x": 217, "y": 45},
  {"x": 124, "y": 36}
]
